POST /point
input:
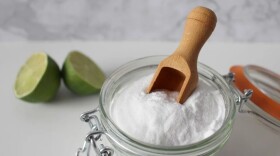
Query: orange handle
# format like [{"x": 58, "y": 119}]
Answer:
[{"x": 199, "y": 26}]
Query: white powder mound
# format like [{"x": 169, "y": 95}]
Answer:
[{"x": 157, "y": 118}]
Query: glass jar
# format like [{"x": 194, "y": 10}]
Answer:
[{"x": 124, "y": 145}]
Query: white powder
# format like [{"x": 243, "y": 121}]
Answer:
[{"x": 157, "y": 118}]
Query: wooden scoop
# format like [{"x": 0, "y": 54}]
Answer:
[{"x": 178, "y": 72}]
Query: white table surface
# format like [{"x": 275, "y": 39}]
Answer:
[{"x": 50, "y": 129}]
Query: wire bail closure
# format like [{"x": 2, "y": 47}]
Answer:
[
  {"x": 96, "y": 131},
  {"x": 242, "y": 98}
]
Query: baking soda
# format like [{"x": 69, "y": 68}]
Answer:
[{"x": 157, "y": 118}]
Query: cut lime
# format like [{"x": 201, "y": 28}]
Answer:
[
  {"x": 38, "y": 79},
  {"x": 81, "y": 75}
]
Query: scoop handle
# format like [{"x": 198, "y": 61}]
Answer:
[{"x": 200, "y": 24}]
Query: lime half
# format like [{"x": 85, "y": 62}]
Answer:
[
  {"x": 38, "y": 79},
  {"x": 81, "y": 75}
]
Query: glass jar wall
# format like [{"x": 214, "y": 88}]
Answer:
[{"x": 126, "y": 145}]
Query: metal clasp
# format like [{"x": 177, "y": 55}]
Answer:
[
  {"x": 242, "y": 98},
  {"x": 94, "y": 136},
  {"x": 229, "y": 77}
]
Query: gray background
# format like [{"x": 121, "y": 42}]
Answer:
[{"x": 147, "y": 20}]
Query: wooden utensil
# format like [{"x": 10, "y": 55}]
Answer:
[{"x": 178, "y": 72}]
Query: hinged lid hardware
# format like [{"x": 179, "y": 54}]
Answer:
[
  {"x": 94, "y": 136},
  {"x": 242, "y": 98}
]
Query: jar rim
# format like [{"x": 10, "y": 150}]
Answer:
[{"x": 222, "y": 132}]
